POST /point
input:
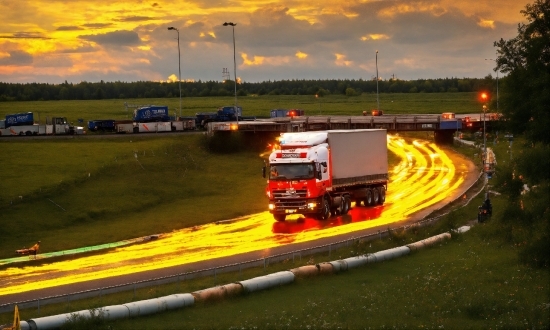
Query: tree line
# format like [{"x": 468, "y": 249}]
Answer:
[{"x": 150, "y": 89}]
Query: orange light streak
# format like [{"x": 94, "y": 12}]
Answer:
[{"x": 418, "y": 181}]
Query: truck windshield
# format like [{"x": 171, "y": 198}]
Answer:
[{"x": 291, "y": 171}]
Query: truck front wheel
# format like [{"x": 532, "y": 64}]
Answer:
[
  {"x": 324, "y": 213},
  {"x": 346, "y": 205}
]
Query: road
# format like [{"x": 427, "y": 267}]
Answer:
[{"x": 425, "y": 179}]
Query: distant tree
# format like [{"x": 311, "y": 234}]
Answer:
[
  {"x": 526, "y": 59},
  {"x": 526, "y": 106}
]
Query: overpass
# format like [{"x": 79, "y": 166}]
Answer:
[{"x": 443, "y": 128}]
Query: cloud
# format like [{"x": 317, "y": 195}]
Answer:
[
  {"x": 17, "y": 58},
  {"x": 375, "y": 36},
  {"x": 135, "y": 19},
  {"x": 487, "y": 24},
  {"x": 69, "y": 28},
  {"x": 116, "y": 38},
  {"x": 301, "y": 55},
  {"x": 97, "y": 25},
  {"x": 342, "y": 61}
]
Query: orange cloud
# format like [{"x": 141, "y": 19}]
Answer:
[
  {"x": 301, "y": 55},
  {"x": 405, "y": 8},
  {"x": 341, "y": 60},
  {"x": 486, "y": 24},
  {"x": 261, "y": 60},
  {"x": 375, "y": 37}
]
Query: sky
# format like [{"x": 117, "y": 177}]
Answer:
[{"x": 78, "y": 40}]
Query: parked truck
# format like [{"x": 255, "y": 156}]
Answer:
[
  {"x": 227, "y": 113},
  {"x": 151, "y": 113},
  {"x": 23, "y": 124},
  {"x": 286, "y": 113},
  {"x": 320, "y": 173}
]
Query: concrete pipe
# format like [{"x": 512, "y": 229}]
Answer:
[
  {"x": 305, "y": 271},
  {"x": 339, "y": 265},
  {"x": 391, "y": 253},
  {"x": 56, "y": 321},
  {"x": 358, "y": 261},
  {"x": 325, "y": 268},
  {"x": 267, "y": 281}
]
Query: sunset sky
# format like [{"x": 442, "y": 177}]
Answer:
[{"x": 78, "y": 40}]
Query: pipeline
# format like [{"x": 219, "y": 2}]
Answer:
[{"x": 174, "y": 301}]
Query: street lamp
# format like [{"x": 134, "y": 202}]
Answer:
[
  {"x": 179, "y": 62},
  {"x": 377, "y": 99},
  {"x": 496, "y": 70},
  {"x": 234, "y": 67},
  {"x": 484, "y": 98}
]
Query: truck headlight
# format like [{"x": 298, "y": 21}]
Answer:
[
  {"x": 311, "y": 206},
  {"x": 271, "y": 206}
]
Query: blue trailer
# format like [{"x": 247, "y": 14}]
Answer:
[
  {"x": 107, "y": 125},
  {"x": 19, "y": 119},
  {"x": 227, "y": 113},
  {"x": 151, "y": 114}
]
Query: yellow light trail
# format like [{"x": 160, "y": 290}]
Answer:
[{"x": 424, "y": 176}]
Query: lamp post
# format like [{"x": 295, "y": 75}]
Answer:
[
  {"x": 490, "y": 59},
  {"x": 377, "y": 99},
  {"x": 234, "y": 67},
  {"x": 484, "y": 98},
  {"x": 179, "y": 62}
]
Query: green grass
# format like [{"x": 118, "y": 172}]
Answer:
[
  {"x": 407, "y": 103},
  {"x": 470, "y": 282},
  {"x": 82, "y": 192}
]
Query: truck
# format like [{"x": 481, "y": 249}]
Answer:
[
  {"x": 226, "y": 113},
  {"x": 320, "y": 173},
  {"x": 151, "y": 113},
  {"x": 23, "y": 124},
  {"x": 286, "y": 113}
]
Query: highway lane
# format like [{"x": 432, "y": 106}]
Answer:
[{"x": 425, "y": 178}]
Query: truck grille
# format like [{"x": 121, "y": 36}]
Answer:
[{"x": 289, "y": 193}]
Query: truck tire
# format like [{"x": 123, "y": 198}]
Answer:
[
  {"x": 279, "y": 217},
  {"x": 375, "y": 196},
  {"x": 324, "y": 213},
  {"x": 346, "y": 205},
  {"x": 382, "y": 193},
  {"x": 368, "y": 198}
]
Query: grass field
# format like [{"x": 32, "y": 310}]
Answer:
[
  {"x": 101, "y": 186},
  {"x": 259, "y": 106}
]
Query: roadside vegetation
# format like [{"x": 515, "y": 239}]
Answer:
[{"x": 494, "y": 276}]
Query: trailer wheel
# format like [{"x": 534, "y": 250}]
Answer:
[
  {"x": 368, "y": 198},
  {"x": 375, "y": 196},
  {"x": 346, "y": 205},
  {"x": 382, "y": 199},
  {"x": 279, "y": 217},
  {"x": 324, "y": 214}
]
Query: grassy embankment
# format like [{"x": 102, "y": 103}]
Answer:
[
  {"x": 471, "y": 282},
  {"x": 79, "y": 192}
]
